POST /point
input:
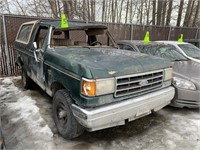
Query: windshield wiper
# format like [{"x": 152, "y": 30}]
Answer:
[
  {"x": 180, "y": 59},
  {"x": 197, "y": 57}
]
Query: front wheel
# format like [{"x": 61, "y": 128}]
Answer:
[
  {"x": 27, "y": 81},
  {"x": 63, "y": 117}
]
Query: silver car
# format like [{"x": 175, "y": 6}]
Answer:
[
  {"x": 186, "y": 73},
  {"x": 188, "y": 50}
]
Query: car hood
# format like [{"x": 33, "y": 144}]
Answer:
[
  {"x": 104, "y": 62},
  {"x": 187, "y": 69}
]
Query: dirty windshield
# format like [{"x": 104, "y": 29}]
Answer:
[
  {"x": 164, "y": 51},
  {"x": 93, "y": 37},
  {"x": 190, "y": 50}
]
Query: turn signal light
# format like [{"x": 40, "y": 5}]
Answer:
[{"x": 88, "y": 88}]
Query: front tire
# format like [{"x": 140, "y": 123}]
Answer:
[
  {"x": 27, "y": 81},
  {"x": 63, "y": 117}
]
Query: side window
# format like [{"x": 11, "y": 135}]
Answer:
[
  {"x": 141, "y": 48},
  {"x": 120, "y": 46},
  {"x": 41, "y": 36},
  {"x": 128, "y": 48},
  {"x": 25, "y": 33}
]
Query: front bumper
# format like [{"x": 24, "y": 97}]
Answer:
[
  {"x": 186, "y": 98},
  {"x": 115, "y": 114}
]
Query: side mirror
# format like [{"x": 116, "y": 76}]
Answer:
[{"x": 35, "y": 45}]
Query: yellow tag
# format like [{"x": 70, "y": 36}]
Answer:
[
  {"x": 146, "y": 38},
  {"x": 64, "y": 22},
  {"x": 180, "y": 39}
]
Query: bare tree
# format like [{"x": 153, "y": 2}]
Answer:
[
  {"x": 141, "y": 11},
  {"x": 154, "y": 12},
  {"x": 159, "y": 12},
  {"x": 68, "y": 8},
  {"x": 88, "y": 10},
  {"x": 169, "y": 12},
  {"x": 4, "y": 6},
  {"x": 20, "y": 6},
  {"x": 147, "y": 5},
  {"x": 191, "y": 13},
  {"x": 120, "y": 11},
  {"x": 164, "y": 6},
  {"x": 180, "y": 13},
  {"x": 187, "y": 14},
  {"x": 39, "y": 8},
  {"x": 93, "y": 7},
  {"x": 127, "y": 7},
  {"x": 103, "y": 10},
  {"x": 106, "y": 11},
  {"x": 53, "y": 7},
  {"x": 197, "y": 14}
]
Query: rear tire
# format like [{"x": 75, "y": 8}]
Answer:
[{"x": 64, "y": 119}]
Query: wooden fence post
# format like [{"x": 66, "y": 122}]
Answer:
[
  {"x": 131, "y": 31},
  {"x": 169, "y": 33},
  {"x": 6, "y": 46}
]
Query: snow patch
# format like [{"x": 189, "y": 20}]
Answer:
[
  {"x": 23, "y": 108},
  {"x": 27, "y": 111},
  {"x": 7, "y": 81}
]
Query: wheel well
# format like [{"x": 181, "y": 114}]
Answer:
[
  {"x": 56, "y": 86},
  {"x": 18, "y": 61}
]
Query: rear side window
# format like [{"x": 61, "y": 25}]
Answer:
[
  {"x": 126, "y": 47},
  {"x": 120, "y": 46},
  {"x": 25, "y": 33}
]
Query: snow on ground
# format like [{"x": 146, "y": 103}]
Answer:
[{"x": 27, "y": 124}]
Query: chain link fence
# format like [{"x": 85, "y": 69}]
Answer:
[{"x": 9, "y": 25}]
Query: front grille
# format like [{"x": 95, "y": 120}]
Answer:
[{"x": 138, "y": 84}]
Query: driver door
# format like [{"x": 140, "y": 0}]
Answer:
[{"x": 40, "y": 44}]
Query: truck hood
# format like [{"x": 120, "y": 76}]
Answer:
[
  {"x": 104, "y": 62},
  {"x": 187, "y": 69}
]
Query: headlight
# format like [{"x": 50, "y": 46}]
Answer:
[
  {"x": 184, "y": 84},
  {"x": 167, "y": 74},
  {"x": 97, "y": 87}
]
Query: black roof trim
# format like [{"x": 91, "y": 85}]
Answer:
[{"x": 73, "y": 25}]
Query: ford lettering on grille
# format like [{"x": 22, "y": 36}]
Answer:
[
  {"x": 143, "y": 83},
  {"x": 138, "y": 84}
]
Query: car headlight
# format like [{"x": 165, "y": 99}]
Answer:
[
  {"x": 168, "y": 74},
  {"x": 97, "y": 87},
  {"x": 184, "y": 84}
]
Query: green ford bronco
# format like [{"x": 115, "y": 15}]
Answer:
[{"x": 94, "y": 84}]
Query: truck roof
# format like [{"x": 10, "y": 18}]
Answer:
[{"x": 72, "y": 25}]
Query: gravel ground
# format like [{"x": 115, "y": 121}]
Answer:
[{"x": 27, "y": 123}]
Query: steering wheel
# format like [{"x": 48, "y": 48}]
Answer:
[{"x": 95, "y": 42}]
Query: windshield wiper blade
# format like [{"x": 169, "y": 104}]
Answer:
[
  {"x": 180, "y": 59},
  {"x": 197, "y": 57}
]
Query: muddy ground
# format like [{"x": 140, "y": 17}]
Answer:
[{"x": 26, "y": 120}]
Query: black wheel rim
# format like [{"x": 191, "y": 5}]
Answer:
[{"x": 61, "y": 114}]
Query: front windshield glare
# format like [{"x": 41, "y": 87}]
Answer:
[
  {"x": 164, "y": 51},
  {"x": 190, "y": 50}
]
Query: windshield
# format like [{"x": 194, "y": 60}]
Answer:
[
  {"x": 164, "y": 51},
  {"x": 93, "y": 37},
  {"x": 190, "y": 50}
]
